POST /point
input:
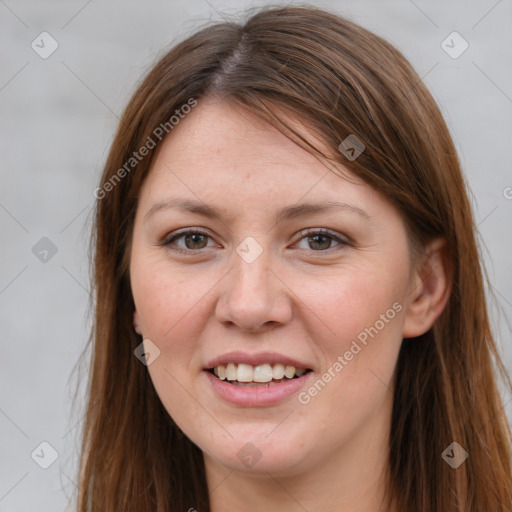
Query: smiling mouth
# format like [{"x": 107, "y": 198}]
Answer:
[{"x": 264, "y": 375}]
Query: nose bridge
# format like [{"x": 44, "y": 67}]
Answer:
[
  {"x": 250, "y": 280},
  {"x": 252, "y": 295}
]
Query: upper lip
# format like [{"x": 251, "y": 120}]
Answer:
[{"x": 255, "y": 359}]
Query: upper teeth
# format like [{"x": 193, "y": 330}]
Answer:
[{"x": 261, "y": 373}]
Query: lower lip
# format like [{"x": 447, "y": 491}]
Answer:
[{"x": 257, "y": 396}]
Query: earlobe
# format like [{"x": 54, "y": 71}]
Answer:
[
  {"x": 429, "y": 291},
  {"x": 136, "y": 322}
]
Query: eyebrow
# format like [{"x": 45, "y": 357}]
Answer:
[{"x": 285, "y": 214}]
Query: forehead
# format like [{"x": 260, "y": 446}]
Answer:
[
  {"x": 220, "y": 143},
  {"x": 227, "y": 157}
]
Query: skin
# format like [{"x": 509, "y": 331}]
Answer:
[{"x": 304, "y": 297}]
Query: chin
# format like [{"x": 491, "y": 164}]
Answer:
[{"x": 257, "y": 454}]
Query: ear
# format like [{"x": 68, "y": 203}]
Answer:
[
  {"x": 136, "y": 322},
  {"x": 429, "y": 291}
]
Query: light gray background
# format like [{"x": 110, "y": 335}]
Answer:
[{"x": 58, "y": 118}]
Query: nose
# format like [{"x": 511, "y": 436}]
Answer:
[{"x": 254, "y": 297}]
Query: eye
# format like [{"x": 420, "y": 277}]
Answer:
[
  {"x": 322, "y": 239},
  {"x": 194, "y": 240}
]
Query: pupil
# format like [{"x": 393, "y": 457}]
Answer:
[
  {"x": 193, "y": 237},
  {"x": 316, "y": 237}
]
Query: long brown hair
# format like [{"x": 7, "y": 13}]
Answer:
[{"x": 340, "y": 79}]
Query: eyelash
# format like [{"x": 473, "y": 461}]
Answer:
[{"x": 168, "y": 242}]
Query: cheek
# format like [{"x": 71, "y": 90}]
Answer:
[
  {"x": 360, "y": 337},
  {"x": 169, "y": 300},
  {"x": 171, "y": 305},
  {"x": 353, "y": 303},
  {"x": 364, "y": 311}
]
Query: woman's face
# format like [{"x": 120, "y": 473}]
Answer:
[{"x": 258, "y": 289}]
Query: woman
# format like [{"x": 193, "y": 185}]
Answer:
[{"x": 290, "y": 306}]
